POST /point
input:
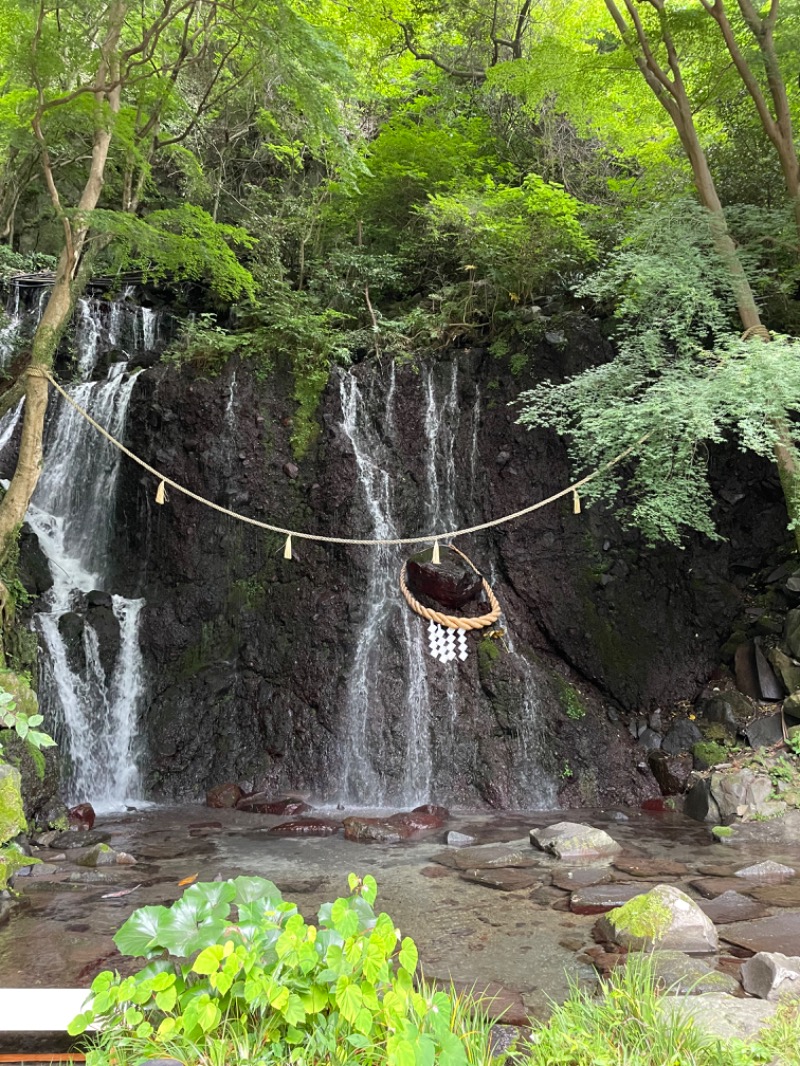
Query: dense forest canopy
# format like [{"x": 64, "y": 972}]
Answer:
[{"x": 382, "y": 178}]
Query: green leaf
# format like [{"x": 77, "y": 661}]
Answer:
[
  {"x": 139, "y": 935},
  {"x": 166, "y": 1000},
  {"x": 408, "y": 955},
  {"x": 207, "y": 962},
  {"x": 400, "y": 1052},
  {"x": 349, "y": 999},
  {"x": 343, "y": 918},
  {"x": 294, "y": 1012}
]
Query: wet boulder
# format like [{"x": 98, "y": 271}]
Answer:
[
  {"x": 451, "y": 583},
  {"x": 222, "y": 796},
  {"x": 261, "y": 803},
  {"x": 570, "y": 840},
  {"x": 416, "y": 821},
  {"x": 306, "y": 827},
  {"x": 81, "y": 816},
  {"x": 681, "y": 737},
  {"x": 665, "y": 918},
  {"x": 671, "y": 771},
  {"x": 769, "y": 975},
  {"x": 374, "y": 831}
]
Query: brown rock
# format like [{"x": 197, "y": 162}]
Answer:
[
  {"x": 711, "y": 887},
  {"x": 583, "y": 877},
  {"x": 495, "y": 1002},
  {"x": 732, "y": 907},
  {"x": 227, "y": 795},
  {"x": 671, "y": 771},
  {"x": 82, "y": 816},
  {"x": 416, "y": 821},
  {"x": 263, "y": 804},
  {"x": 506, "y": 879},
  {"x": 374, "y": 831},
  {"x": 778, "y": 895},
  {"x": 779, "y": 933},
  {"x": 650, "y": 867},
  {"x": 306, "y": 827},
  {"x": 432, "y": 808},
  {"x": 598, "y": 899},
  {"x": 434, "y": 872}
]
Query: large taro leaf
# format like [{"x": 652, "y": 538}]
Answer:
[
  {"x": 190, "y": 925},
  {"x": 250, "y": 889},
  {"x": 140, "y": 934}
]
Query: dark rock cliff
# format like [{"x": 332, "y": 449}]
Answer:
[{"x": 251, "y": 658}]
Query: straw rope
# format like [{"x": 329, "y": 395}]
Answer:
[
  {"x": 448, "y": 620},
  {"x": 39, "y": 371}
]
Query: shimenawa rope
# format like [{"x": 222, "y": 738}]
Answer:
[{"x": 39, "y": 371}]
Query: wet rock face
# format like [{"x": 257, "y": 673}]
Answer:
[{"x": 249, "y": 656}]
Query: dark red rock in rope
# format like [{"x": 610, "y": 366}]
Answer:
[
  {"x": 307, "y": 827},
  {"x": 451, "y": 582},
  {"x": 82, "y": 816},
  {"x": 263, "y": 804},
  {"x": 227, "y": 795}
]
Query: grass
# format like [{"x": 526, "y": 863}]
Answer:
[{"x": 625, "y": 1026}]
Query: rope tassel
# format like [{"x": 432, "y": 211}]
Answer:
[
  {"x": 576, "y": 502},
  {"x": 287, "y": 548},
  {"x": 435, "y": 557},
  {"x": 161, "y": 492}
]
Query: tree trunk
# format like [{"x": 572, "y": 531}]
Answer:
[
  {"x": 666, "y": 82},
  {"x": 61, "y": 302}
]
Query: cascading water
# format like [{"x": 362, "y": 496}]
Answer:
[
  {"x": 365, "y": 778},
  {"x": 411, "y": 761},
  {"x": 92, "y": 672}
]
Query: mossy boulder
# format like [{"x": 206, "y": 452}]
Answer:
[
  {"x": 12, "y": 813},
  {"x": 40, "y": 773},
  {"x": 708, "y": 753}
]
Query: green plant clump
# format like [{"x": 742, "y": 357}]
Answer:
[
  {"x": 626, "y": 1024},
  {"x": 708, "y": 753},
  {"x": 237, "y": 975},
  {"x": 644, "y": 917},
  {"x": 571, "y": 701}
]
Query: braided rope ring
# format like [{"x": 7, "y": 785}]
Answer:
[{"x": 451, "y": 621}]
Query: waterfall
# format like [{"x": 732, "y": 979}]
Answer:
[
  {"x": 385, "y": 620},
  {"x": 392, "y": 677},
  {"x": 92, "y": 675}
]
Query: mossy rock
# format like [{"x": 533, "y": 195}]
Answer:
[
  {"x": 40, "y": 771},
  {"x": 488, "y": 654},
  {"x": 708, "y": 753},
  {"x": 12, "y": 813},
  {"x": 19, "y": 687}
]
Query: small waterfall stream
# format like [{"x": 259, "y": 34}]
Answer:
[
  {"x": 427, "y": 713},
  {"x": 92, "y": 677}
]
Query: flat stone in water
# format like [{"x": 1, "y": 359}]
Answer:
[
  {"x": 768, "y": 872},
  {"x": 688, "y": 976},
  {"x": 779, "y": 895},
  {"x": 779, "y": 933},
  {"x": 721, "y": 1015},
  {"x": 582, "y": 877},
  {"x": 711, "y": 887},
  {"x": 732, "y": 907},
  {"x": 507, "y": 880},
  {"x": 486, "y": 857},
  {"x": 598, "y": 899},
  {"x": 725, "y": 870},
  {"x": 650, "y": 867}
]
